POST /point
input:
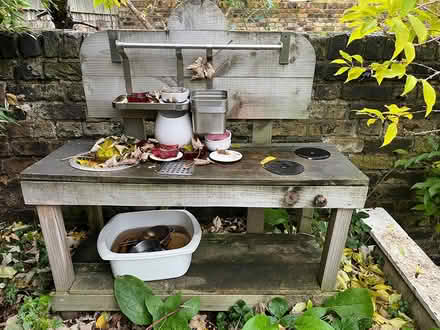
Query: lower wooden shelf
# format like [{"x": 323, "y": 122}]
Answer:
[{"x": 225, "y": 268}]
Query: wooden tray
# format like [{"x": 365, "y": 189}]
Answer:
[{"x": 120, "y": 104}]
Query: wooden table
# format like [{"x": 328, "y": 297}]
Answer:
[{"x": 226, "y": 268}]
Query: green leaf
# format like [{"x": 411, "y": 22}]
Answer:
[
  {"x": 288, "y": 321},
  {"x": 307, "y": 322},
  {"x": 419, "y": 27},
  {"x": 355, "y": 73},
  {"x": 429, "y": 96},
  {"x": 358, "y": 58},
  {"x": 278, "y": 307},
  {"x": 401, "y": 151},
  {"x": 190, "y": 308},
  {"x": 275, "y": 216},
  {"x": 434, "y": 190},
  {"x": 402, "y": 35},
  {"x": 345, "y": 55},
  {"x": 410, "y": 83},
  {"x": 130, "y": 294},
  {"x": 351, "y": 302},
  {"x": 342, "y": 70},
  {"x": 260, "y": 322},
  {"x": 418, "y": 207},
  {"x": 173, "y": 302},
  {"x": 318, "y": 312},
  {"x": 155, "y": 306},
  {"x": 339, "y": 61},
  {"x": 410, "y": 52},
  {"x": 407, "y": 6}
]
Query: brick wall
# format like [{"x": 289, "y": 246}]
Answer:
[
  {"x": 47, "y": 72},
  {"x": 291, "y": 15}
]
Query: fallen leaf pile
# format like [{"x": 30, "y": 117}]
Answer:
[
  {"x": 227, "y": 225},
  {"x": 359, "y": 269},
  {"x": 201, "y": 69},
  {"x": 116, "y": 151}
]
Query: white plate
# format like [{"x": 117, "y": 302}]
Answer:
[
  {"x": 179, "y": 155},
  {"x": 92, "y": 169},
  {"x": 232, "y": 156}
]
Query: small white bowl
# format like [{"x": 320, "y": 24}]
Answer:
[
  {"x": 219, "y": 144},
  {"x": 174, "y": 94}
]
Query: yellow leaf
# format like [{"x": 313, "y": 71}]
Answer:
[
  {"x": 397, "y": 322},
  {"x": 437, "y": 228},
  {"x": 429, "y": 96},
  {"x": 11, "y": 98},
  {"x": 101, "y": 322},
  {"x": 372, "y": 112},
  {"x": 419, "y": 28},
  {"x": 345, "y": 55},
  {"x": 395, "y": 298},
  {"x": 355, "y": 35},
  {"x": 356, "y": 284},
  {"x": 348, "y": 252},
  {"x": 379, "y": 318},
  {"x": 402, "y": 35},
  {"x": 382, "y": 287},
  {"x": 299, "y": 307},
  {"x": 267, "y": 160},
  {"x": 358, "y": 58},
  {"x": 371, "y": 121},
  {"x": 410, "y": 83},
  {"x": 383, "y": 295},
  {"x": 355, "y": 73},
  {"x": 390, "y": 134},
  {"x": 339, "y": 61},
  {"x": 7, "y": 272},
  {"x": 342, "y": 70},
  {"x": 348, "y": 268},
  {"x": 309, "y": 304},
  {"x": 375, "y": 269},
  {"x": 418, "y": 271},
  {"x": 410, "y": 52}
]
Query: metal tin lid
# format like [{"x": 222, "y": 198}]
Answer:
[
  {"x": 284, "y": 167},
  {"x": 312, "y": 153}
]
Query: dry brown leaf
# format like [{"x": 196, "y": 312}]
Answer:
[{"x": 12, "y": 99}]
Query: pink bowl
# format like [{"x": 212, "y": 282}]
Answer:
[{"x": 218, "y": 137}]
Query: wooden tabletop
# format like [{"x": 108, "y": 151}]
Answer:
[{"x": 334, "y": 171}]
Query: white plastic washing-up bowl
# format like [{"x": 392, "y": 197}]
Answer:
[{"x": 150, "y": 266}]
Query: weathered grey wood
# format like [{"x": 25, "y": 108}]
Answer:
[
  {"x": 95, "y": 218},
  {"x": 262, "y": 132},
  {"x": 335, "y": 171},
  {"x": 83, "y": 193},
  {"x": 305, "y": 222},
  {"x": 135, "y": 127},
  {"x": 208, "y": 302},
  {"x": 334, "y": 247},
  {"x": 255, "y": 220},
  {"x": 406, "y": 257},
  {"x": 273, "y": 90},
  {"x": 54, "y": 232},
  {"x": 224, "y": 269}
]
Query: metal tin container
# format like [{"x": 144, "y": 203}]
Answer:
[{"x": 209, "y": 109}]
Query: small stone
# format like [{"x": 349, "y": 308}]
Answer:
[
  {"x": 51, "y": 43},
  {"x": 41, "y": 91},
  {"x": 29, "y": 70},
  {"x": 71, "y": 44},
  {"x": 69, "y": 129},
  {"x": 44, "y": 129},
  {"x": 239, "y": 127},
  {"x": 74, "y": 91},
  {"x": 25, "y": 129},
  {"x": 336, "y": 109},
  {"x": 289, "y": 128},
  {"x": 57, "y": 111},
  {"x": 8, "y": 42},
  {"x": 29, "y": 45},
  {"x": 62, "y": 71}
]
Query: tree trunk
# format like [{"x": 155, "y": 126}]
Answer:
[{"x": 59, "y": 11}]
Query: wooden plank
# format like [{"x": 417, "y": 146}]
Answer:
[
  {"x": 305, "y": 222},
  {"x": 95, "y": 218},
  {"x": 208, "y": 302},
  {"x": 405, "y": 256},
  {"x": 334, "y": 247},
  {"x": 153, "y": 69},
  {"x": 54, "y": 232},
  {"x": 334, "y": 171},
  {"x": 255, "y": 220},
  {"x": 179, "y": 195}
]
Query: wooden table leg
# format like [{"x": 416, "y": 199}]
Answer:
[
  {"x": 255, "y": 220},
  {"x": 334, "y": 247},
  {"x": 95, "y": 218},
  {"x": 305, "y": 223},
  {"x": 54, "y": 232}
]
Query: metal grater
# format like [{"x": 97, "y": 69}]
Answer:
[{"x": 175, "y": 168}]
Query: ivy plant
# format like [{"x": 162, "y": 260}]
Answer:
[{"x": 411, "y": 25}]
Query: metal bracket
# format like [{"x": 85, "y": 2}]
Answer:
[
  {"x": 285, "y": 50},
  {"x": 180, "y": 73},
  {"x": 112, "y": 37}
]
